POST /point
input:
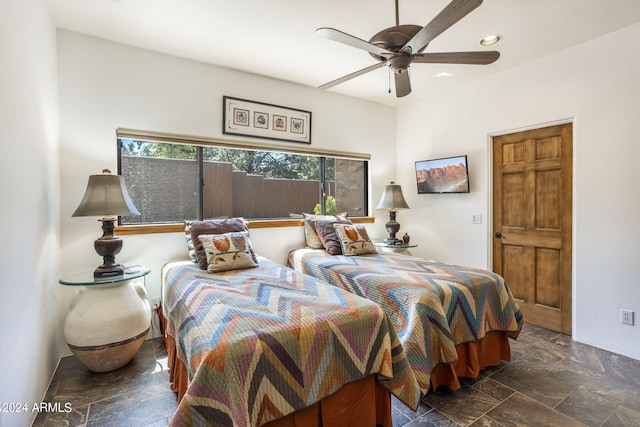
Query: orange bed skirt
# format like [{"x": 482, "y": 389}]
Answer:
[
  {"x": 338, "y": 408},
  {"x": 472, "y": 358}
]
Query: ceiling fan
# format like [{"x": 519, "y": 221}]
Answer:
[{"x": 400, "y": 46}]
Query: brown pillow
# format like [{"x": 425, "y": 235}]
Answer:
[
  {"x": 328, "y": 235},
  {"x": 311, "y": 238},
  {"x": 213, "y": 226}
]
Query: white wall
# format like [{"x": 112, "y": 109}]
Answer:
[
  {"x": 104, "y": 86},
  {"x": 595, "y": 84},
  {"x": 29, "y": 251}
]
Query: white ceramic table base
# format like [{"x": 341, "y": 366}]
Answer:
[{"x": 107, "y": 324}]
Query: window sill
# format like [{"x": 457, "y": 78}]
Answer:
[{"x": 124, "y": 230}]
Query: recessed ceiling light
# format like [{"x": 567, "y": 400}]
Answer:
[
  {"x": 492, "y": 39},
  {"x": 444, "y": 74}
]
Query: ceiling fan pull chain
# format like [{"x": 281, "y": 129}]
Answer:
[{"x": 389, "y": 68}]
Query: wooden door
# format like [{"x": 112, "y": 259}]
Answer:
[{"x": 532, "y": 193}]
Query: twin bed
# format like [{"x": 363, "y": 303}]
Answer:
[
  {"x": 259, "y": 344},
  {"x": 452, "y": 321},
  {"x": 252, "y": 342}
]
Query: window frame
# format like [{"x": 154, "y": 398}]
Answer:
[{"x": 151, "y": 136}]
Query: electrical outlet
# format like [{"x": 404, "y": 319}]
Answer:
[
  {"x": 626, "y": 317},
  {"x": 476, "y": 219}
]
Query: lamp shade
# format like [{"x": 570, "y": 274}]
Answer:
[
  {"x": 106, "y": 195},
  {"x": 392, "y": 198}
]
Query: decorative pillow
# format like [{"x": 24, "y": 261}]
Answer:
[
  {"x": 328, "y": 235},
  {"x": 354, "y": 239},
  {"x": 228, "y": 251},
  {"x": 187, "y": 235},
  {"x": 310, "y": 235},
  {"x": 213, "y": 226}
]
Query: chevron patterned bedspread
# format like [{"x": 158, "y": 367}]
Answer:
[
  {"x": 433, "y": 306},
  {"x": 262, "y": 342}
]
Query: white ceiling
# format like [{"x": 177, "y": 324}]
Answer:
[{"x": 276, "y": 38}]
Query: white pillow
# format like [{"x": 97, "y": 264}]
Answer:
[
  {"x": 228, "y": 251},
  {"x": 354, "y": 239}
]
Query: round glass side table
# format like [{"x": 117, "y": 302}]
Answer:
[{"x": 397, "y": 249}]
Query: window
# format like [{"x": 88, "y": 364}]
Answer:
[{"x": 171, "y": 179}]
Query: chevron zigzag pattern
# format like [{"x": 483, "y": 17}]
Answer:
[
  {"x": 433, "y": 306},
  {"x": 263, "y": 342}
]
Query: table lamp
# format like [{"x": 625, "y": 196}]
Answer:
[
  {"x": 392, "y": 200},
  {"x": 107, "y": 196}
]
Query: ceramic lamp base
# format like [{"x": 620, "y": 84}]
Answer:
[
  {"x": 392, "y": 226},
  {"x": 108, "y": 246}
]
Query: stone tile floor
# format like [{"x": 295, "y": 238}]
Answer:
[{"x": 551, "y": 381}]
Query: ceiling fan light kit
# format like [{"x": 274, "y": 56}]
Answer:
[{"x": 402, "y": 45}]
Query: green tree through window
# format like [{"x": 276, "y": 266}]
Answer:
[{"x": 163, "y": 181}]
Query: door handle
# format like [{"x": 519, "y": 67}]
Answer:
[{"x": 498, "y": 235}]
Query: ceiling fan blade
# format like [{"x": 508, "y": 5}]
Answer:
[
  {"x": 403, "y": 84},
  {"x": 477, "y": 58},
  {"x": 348, "y": 39},
  {"x": 352, "y": 75},
  {"x": 455, "y": 11}
]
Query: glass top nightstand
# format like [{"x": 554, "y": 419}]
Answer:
[
  {"x": 402, "y": 246},
  {"x": 85, "y": 278},
  {"x": 402, "y": 249}
]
